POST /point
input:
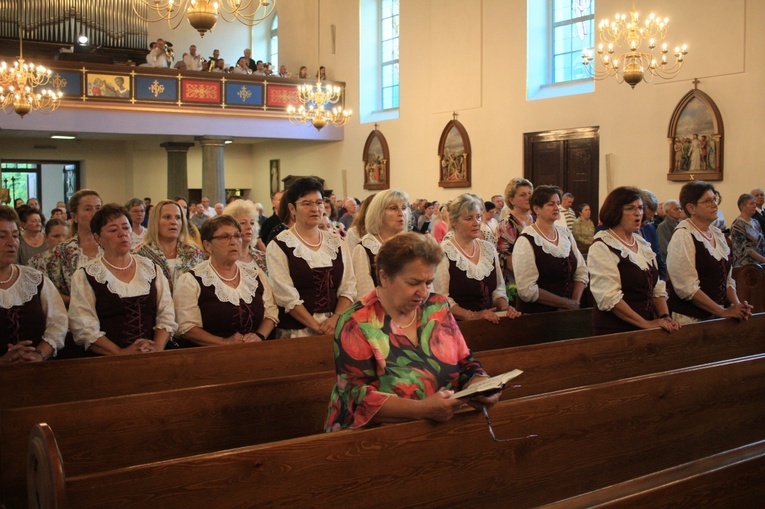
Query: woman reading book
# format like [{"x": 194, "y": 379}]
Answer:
[{"x": 399, "y": 354}]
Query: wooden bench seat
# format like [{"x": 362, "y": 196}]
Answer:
[
  {"x": 713, "y": 481},
  {"x": 78, "y": 379},
  {"x": 750, "y": 285},
  {"x": 128, "y": 430},
  {"x": 586, "y": 438}
]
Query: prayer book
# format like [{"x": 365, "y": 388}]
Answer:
[{"x": 489, "y": 385}]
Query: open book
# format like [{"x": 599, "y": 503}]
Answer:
[{"x": 495, "y": 383}]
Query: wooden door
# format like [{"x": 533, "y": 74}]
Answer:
[{"x": 568, "y": 159}]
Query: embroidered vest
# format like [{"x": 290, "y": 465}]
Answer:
[
  {"x": 22, "y": 323},
  {"x": 713, "y": 277},
  {"x": 223, "y": 319},
  {"x": 556, "y": 275}
]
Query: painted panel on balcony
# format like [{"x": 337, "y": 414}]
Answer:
[
  {"x": 281, "y": 96},
  {"x": 155, "y": 88},
  {"x": 244, "y": 94},
  {"x": 68, "y": 82},
  {"x": 201, "y": 91}
]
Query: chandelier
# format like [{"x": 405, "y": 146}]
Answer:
[
  {"x": 203, "y": 14},
  {"x": 314, "y": 106},
  {"x": 634, "y": 65},
  {"x": 20, "y": 87}
]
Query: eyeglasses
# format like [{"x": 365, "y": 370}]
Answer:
[
  {"x": 311, "y": 204},
  {"x": 494, "y": 437},
  {"x": 634, "y": 208},
  {"x": 227, "y": 237},
  {"x": 709, "y": 201}
]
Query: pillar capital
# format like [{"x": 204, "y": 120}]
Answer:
[{"x": 174, "y": 146}]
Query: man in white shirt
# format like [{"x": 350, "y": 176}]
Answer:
[
  {"x": 193, "y": 60},
  {"x": 207, "y": 210},
  {"x": 158, "y": 56},
  {"x": 567, "y": 215}
]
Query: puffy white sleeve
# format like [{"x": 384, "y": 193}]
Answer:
[
  {"x": 285, "y": 294},
  {"x": 525, "y": 269},
  {"x": 347, "y": 286},
  {"x": 362, "y": 271},
  {"x": 165, "y": 311},
  {"x": 442, "y": 280},
  {"x": 501, "y": 291},
  {"x": 681, "y": 264},
  {"x": 605, "y": 280},
  {"x": 185, "y": 301},
  {"x": 271, "y": 311},
  {"x": 580, "y": 274},
  {"x": 56, "y": 321},
  {"x": 83, "y": 320}
]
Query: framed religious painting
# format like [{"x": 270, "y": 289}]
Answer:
[
  {"x": 696, "y": 139},
  {"x": 454, "y": 155},
  {"x": 376, "y": 159},
  {"x": 274, "y": 176}
]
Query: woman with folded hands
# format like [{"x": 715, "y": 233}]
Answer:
[{"x": 224, "y": 301}]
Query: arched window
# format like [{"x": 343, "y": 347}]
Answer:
[{"x": 273, "y": 46}]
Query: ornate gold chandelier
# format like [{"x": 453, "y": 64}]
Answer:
[
  {"x": 203, "y": 14},
  {"x": 20, "y": 87},
  {"x": 314, "y": 106},
  {"x": 634, "y": 65}
]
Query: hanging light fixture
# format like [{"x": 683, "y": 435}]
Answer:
[
  {"x": 636, "y": 64},
  {"x": 203, "y": 14},
  {"x": 21, "y": 86},
  {"x": 314, "y": 106}
]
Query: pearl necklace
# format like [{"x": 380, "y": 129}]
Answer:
[
  {"x": 321, "y": 238},
  {"x": 709, "y": 236},
  {"x": 548, "y": 239},
  {"x": 9, "y": 277},
  {"x": 613, "y": 234},
  {"x": 236, "y": 274},
  {"x": 475, "y": 248},
  {"x": 410, "y": 321},
  {"x": 126, "y": 267}
]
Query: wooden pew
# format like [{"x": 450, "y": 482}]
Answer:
[
  {"x": 585, "y": 438},
  {"x": 129, "y": 430},
  {"x": 713, "y": 481},
  {"x": 91, "y": 378},
  {"x": 750, "y": 285}
]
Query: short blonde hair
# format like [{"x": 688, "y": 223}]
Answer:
[
  {"x": 513, "y": 186},
  {"x": 244, "y": 207},
  {"x": 462, "y": 204},
  {"x": 376, "y": 210}
]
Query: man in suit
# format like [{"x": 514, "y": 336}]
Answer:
[{"x": 759, "y": 200}]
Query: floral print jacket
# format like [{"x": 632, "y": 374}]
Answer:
[
  {"x": 375, "y": 360},
  {"x": 189, "y": 256},
  {"x": 60, "y": 263}
]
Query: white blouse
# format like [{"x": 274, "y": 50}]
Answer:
[
  {"x": 83, "y": 319},
  {"x": 361, "y": 268},
  {"x": 681, "y": 258},
  {"x": 524, "y": 260},
  {"x": 479, "y": 271},
  {"x": 605, "y": 281},
  {"x": 24, "y": 289},
  {"x": 352, "y": 238},
  {"x": 186, "y": 296},
  {"x": 285, "y": 293}
]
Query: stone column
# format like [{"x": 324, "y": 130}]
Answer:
[
  {"x": 213, "y": 181},
  {"x": 177, "y": 169}
]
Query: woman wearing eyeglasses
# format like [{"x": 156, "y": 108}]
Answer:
[
  {"x": 386, "y": 216},
  {"x": 121, "y": 303},
  {"x": 310, "y": 270},
  {"x": 470, "y": 274},
  {"x": 246, "y": 215},
  {"x": 699, "y": 262},
  {"x": 224, "y": 301},
  {"x": 624, "y": 272}
]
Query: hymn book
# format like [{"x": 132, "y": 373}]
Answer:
[{"x": 495, "y": 383}]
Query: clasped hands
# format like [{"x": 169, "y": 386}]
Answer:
[{"x": 23, "y": 351}]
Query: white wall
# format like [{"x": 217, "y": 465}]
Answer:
[{"x": 485, "y": 84}]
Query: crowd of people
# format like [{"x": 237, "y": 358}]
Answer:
[
  {"x": 162, "y": 54},
  {"x": 389, "y": 276}
]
